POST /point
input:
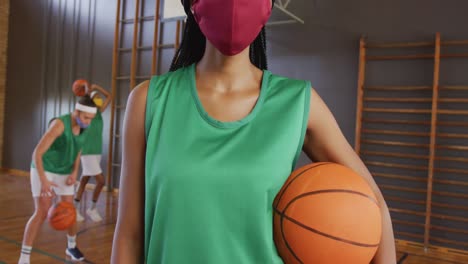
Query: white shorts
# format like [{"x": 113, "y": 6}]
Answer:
[
  {"x": 59, "y": 179},
  {"x": 91, "y": 165}
]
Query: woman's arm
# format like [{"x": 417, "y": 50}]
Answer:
[
  {"x": 76, "y": 165},
  {"x": 324, "y": 141},
  {"x": 128, "y": 244}
]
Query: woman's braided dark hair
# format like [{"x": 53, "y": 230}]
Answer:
[{"x": 192, "y": 47}]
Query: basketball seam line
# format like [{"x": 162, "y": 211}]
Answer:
[
  {"x": 286, "y": 241},
  {"x": 297, "y": 176},
  {"x": 322, "y": 233},
  {"x": 331, "y": 191}
]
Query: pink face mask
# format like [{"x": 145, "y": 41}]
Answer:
[{"x": 231, "y": 25}]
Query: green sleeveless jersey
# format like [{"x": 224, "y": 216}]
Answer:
[
  {"x": 93, "y": 144},
  {"x": 61, "y": 155},
  {"x": 210, "y": 185}
]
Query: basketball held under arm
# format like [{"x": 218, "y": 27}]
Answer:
[
  {"x": 106, "y": 94},
  {"x": 128, "y": 244},
  {"x": 324, "y": 141}
]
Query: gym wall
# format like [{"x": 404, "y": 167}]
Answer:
[
  {"x": 4, "y": 16},
  {"x": 326, "y": 49},
  {"x": 52, "y": 43},
  {"x": 125, "y": 78}
]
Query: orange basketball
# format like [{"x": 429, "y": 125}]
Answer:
[
  {"x": 326, "y": 214},
  {"x": 80, "y": 87},
  {"x": 62, "y": 215}
]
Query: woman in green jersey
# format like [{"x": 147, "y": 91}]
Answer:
[
  {"x": 207, "y": 146},
  {"x": 54, "y": 169},
  {"x": 91, "y": 155}
]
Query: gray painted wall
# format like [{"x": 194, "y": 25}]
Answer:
[
  {"x": 325, "y": 50},
  {"x": 52, "y": 43}
]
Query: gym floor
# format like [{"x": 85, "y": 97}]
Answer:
[
  {"x": 16, "y": 205},
  {"x": 95, "y": 239}
]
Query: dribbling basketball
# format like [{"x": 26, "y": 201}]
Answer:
[{"x": 62, "y": 215}]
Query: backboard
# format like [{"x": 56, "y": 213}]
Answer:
[{"x": 172, "y": 10}]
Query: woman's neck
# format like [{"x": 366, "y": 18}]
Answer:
[
  {"x": 214, "y": 61},
  {"x": 227, "y": 71}
]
